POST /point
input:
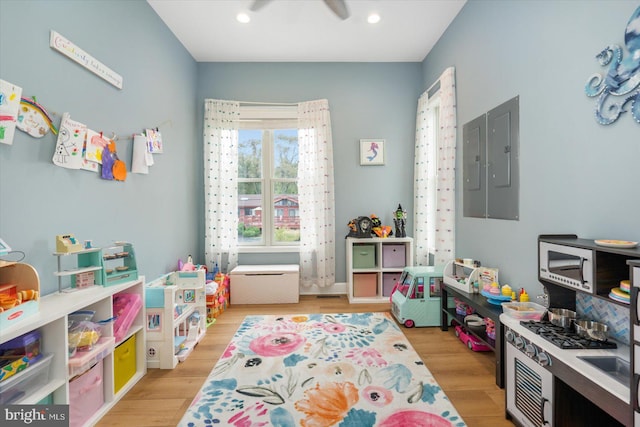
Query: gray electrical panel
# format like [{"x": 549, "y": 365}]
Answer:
[
  {"x": 491, "y": 163},
  {"x": 474, "y": 160}
]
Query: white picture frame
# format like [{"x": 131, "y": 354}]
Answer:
[{"x": 372, "y": 152}]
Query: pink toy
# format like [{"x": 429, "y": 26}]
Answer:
[
  {"x": 470, "y": 341},
  {"x": 125, "y": 308}
]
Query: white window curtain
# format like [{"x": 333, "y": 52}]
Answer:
[
  {"x": 221, "y": 119},
  {"x": 316, "y": 194},
  {"x": 434, "y": 173}
]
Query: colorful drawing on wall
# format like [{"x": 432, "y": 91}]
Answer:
[
  {"x": 108, "y": 159},
  {"x": 34, "y": 119},
  {"x": 94, "y": 146},
  {"x": 154, "y": 141},
  {"x": 9, "y": 106},
  {"x": 371, "y": 152},
  {"x": 622, "y": 78},
  {"x": 70, "y": 143}
]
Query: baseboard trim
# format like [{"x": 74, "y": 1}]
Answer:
[{"x": 336, "y": 289}]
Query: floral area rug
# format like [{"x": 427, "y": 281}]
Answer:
[{"x": 354, "y": 369}]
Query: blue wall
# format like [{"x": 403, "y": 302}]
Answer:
[
  {"x": 38, "y": 200},
  {"x": 367, "y": 100},
  {"x": 576, "y": 175}
]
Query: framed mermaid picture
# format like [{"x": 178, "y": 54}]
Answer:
[{"x": 371, "y": 152}]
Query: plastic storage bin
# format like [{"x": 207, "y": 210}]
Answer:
[
  {"x": 18, "y": 353},
  {"x": 125, "y": 308},
  {"x": 25, "y": 382},
  {"x": 24, "y": 345},
  {"x": 86, "y": 395},
  {"x": 524, "y": 310},
  {"x": 124, "y": 359},
  {"x": 83, "y": 360}
]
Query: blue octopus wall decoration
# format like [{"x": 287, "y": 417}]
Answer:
[{"x": 622, "y": 77}]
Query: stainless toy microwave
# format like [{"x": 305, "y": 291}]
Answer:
[{"x": 566, "y": 265}]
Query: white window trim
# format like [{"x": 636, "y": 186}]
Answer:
[{"x": 260, "y": 117}]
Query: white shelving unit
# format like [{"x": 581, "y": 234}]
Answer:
[
  {"x": 176, "y": 317},
  {"x": 390, "y": 256},
  {"x": 51, "y": 321}
]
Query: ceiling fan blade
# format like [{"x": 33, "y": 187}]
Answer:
[
  {"x": 258, "y": 4},
  {"x": 339, "y": 7}
]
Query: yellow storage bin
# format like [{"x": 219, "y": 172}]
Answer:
[{"x": 124, "y": 363}]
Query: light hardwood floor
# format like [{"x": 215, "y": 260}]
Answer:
[{"x": 162, "y": 396}]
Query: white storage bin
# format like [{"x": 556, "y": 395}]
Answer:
[
  {"x": 265, "y": 284},
  {"x": 26, "y": 382}
]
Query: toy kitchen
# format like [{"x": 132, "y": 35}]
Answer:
[{"x": 577, "y": 368}]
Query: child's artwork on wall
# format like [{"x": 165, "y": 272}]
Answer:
[
  {"x": 95, "y": 145},
  {"x": 33, "y": 119},
  {"x": 141, "y": 158},
  {"x": 9, "y": 104},
  {"x": 70, "y": 143},
  {"x": 88, "y": 165},
  {"x": 108, "y": 158},
  {"x": 154, "y": 141}
]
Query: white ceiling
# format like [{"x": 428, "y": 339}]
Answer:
[{"x": 307, "y": 30}]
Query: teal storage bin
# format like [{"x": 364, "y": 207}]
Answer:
[{"x": 364, "y": 256}]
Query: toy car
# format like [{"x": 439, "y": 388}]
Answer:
[
  {"x": 469, "y": 340},
  {"x": 415, "y": 300}
]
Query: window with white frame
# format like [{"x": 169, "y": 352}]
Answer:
[{"x": 267, "y": 176}]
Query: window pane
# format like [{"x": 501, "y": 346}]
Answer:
[
  {"x": 249, "y": 213},
  {"x": 250, "y": 153},
  {"x": 286, "y": 220},
  {"x": 285, "y": 153}
]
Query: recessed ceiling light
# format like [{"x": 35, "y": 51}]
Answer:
[
  {"x": 373, "y": 18},
  {"x": 243, "y": 18}
]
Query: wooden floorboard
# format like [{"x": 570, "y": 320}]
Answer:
[{"x": 162, "y": 396}]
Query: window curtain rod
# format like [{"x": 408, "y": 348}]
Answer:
[
  {"x": 290, "y": 104},
  {"x": 435, "y": 87}
]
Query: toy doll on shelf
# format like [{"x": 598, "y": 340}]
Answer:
[
  {"x": 378, "y": 229},
  {"x": 400, "y": 221}
]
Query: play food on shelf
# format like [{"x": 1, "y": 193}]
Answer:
[
  {"x": 506, "y": 290},
  {"x": 625, "y": 285},
  {"x": 524, "y": 310},
  {"x": 610, "y": 243}
]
